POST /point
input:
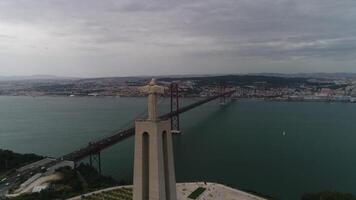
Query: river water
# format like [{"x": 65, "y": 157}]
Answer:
[{"x": 281, "y": 149}]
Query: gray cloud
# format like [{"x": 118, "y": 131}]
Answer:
[{"x": 126, "y": 37}]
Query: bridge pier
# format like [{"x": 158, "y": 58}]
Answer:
[{"x": 95, "y": 158}]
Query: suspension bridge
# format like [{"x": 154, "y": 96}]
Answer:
[{"x": 93, "y": 149}]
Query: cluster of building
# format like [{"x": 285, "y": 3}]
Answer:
[
  {"x": 310, "y": 90},
  {"x": 343, "y": 94},
  {"x": 339, "y": 92}
]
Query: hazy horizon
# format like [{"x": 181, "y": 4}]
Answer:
[
  {"x": 162, "y": 37},
  {"x": 49, "y": 76}
]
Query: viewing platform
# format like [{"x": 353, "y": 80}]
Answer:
[{"x": 195, "y": 190}]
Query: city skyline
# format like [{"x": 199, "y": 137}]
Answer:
[{"x": 155, "y": 37}]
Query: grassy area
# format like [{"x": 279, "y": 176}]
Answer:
[
  {"x": 196, "y": 193},
  {"x": 118, "y": 194}
]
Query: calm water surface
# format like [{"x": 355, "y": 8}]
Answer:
[{"x": 241, "y": 144}]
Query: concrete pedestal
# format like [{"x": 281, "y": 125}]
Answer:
[{"x": 154, "y": 175}]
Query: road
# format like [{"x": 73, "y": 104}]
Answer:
[
  {"x": 16, "y": 178},
  {"x": 6, "y": 185}
]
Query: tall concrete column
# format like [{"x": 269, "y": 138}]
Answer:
[{"x": 154, "y": 175}]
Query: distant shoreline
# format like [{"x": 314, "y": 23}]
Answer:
[{"x": 233, "y": 99}]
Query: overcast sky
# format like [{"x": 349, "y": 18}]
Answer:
[{"x": 158, "y": 37}]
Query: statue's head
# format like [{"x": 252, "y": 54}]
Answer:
[
  {"x": 153, "y": 82},
  {"x": 152, "y": 88}
]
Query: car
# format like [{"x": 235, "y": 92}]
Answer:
[
  {"x": 4, "y": 179},
  {"x": 7, "y": 184}
]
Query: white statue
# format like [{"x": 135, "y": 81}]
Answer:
[{"x": 153, "y": 90}]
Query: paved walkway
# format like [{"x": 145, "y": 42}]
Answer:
[
  {"x": 213, "y": 191},
  {"x": 99, "y": 191}
]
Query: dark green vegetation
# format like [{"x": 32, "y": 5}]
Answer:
[
  {"x": 118, "y": 194},
  {"x": 10, "y": 160},
  {"x": 328, "y": 195},
  {"x": 75, "y": 182},
  {"x": 196, "y": 193}
]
